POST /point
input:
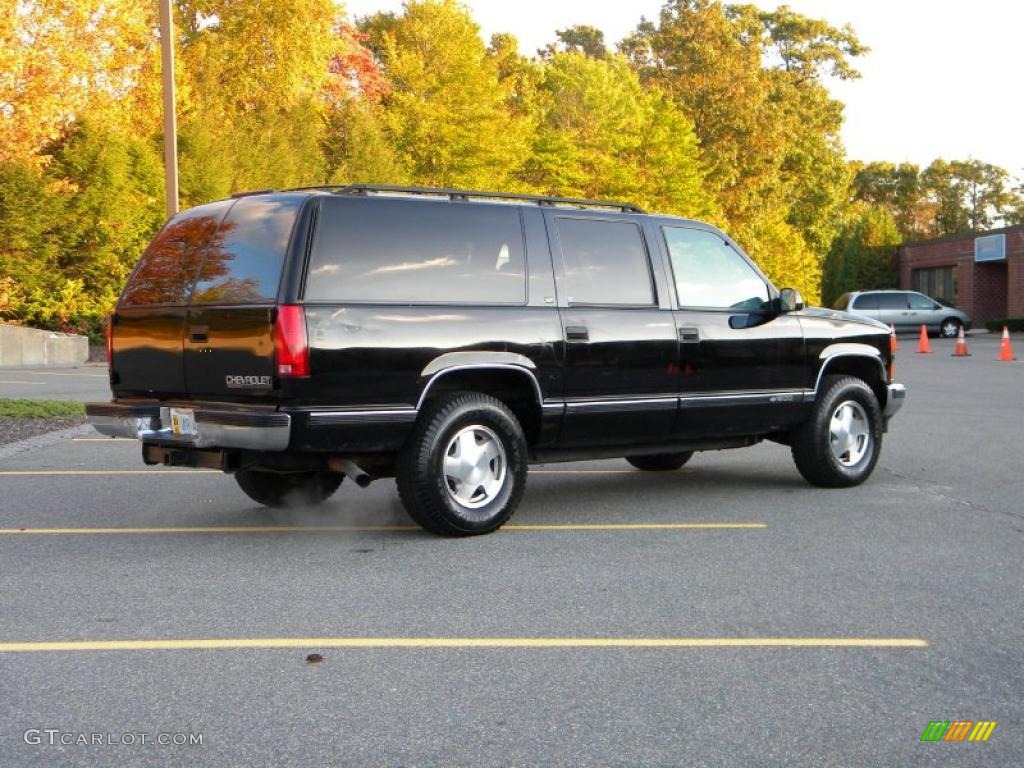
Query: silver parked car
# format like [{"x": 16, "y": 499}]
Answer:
[{"x": 905, "y": 311}]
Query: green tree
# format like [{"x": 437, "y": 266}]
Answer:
[
  {"x": 968, "y": 195},
  {"x": 29, "y": 213},
  {"x": 259, "y": 81},
  {"x": 863, "y": 254},
  {"x": 602, "y": 135},
  {"x": 581, "y": 38},
  {"x": 449, "y": 114},
  {"x": 898, "y": 189}
]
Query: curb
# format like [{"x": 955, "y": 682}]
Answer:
[{"x": 44, "y": 441}]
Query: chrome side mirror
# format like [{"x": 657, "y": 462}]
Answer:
[{"x": 790, "y": 300}]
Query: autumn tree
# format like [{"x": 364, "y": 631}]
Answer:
[
  {"x": 768, "y": 130},
  {"x": 968, "y": 195},
  {"x": 448, "y": 112},
  {"x": 62, "y": 58},
  {"x": 601, "y": 135}
]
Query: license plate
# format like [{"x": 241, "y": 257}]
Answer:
[{"x": 183, "y": 421}]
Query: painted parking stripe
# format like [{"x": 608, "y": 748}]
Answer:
[
  {"x": 57, "y": 472},
  {"x": 63, "y": 373},
  {"x": 512, "y": 528},
  {"x": 465, "y": 642}
]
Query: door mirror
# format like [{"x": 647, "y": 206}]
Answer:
[{"x": 790, "y": 300}]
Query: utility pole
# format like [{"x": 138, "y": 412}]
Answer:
[{"x": 170, "y": 121}]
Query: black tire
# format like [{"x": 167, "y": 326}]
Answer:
[
  {"x": 429, "y": 495},
  {"x": 291, "y": 489},
  {"x": 812, "y": 442},
  {"x": 949, "y": 328},
  {"x": 660, "y": 462}
]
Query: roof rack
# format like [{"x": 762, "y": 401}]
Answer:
[{"x": 466, "y": 194}]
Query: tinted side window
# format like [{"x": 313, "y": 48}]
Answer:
[
  {"x": 892, "y": 301},
  {"x": 172, "y": 260},
  {"x": 710, "y": 273},
  {"x": 605, "y": 262},
  {"x": 866, "y": 301},
  {"x": 244, "y": 259},
  {"x": 417, "y": 251},
  {"x": 920, "y": 302}
]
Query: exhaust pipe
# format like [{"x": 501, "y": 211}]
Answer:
[{"x": 351, "y": 470}]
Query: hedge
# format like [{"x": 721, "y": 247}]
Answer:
[{"x": 1015, "y": 324}]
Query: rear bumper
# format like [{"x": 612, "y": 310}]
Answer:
[
  {"x": 253, "y": 430},
  {"x": 895, "y": 396}
]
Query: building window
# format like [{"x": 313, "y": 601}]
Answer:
[{"x": 937, "y": 282}]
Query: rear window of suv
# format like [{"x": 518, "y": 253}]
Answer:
[
  {"x": 172, "y": 260},
  {"x": 229, "y": 252},
  {"x": 416, "y": 251}
]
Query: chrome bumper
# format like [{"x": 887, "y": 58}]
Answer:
[
  {"x": 897, "y": 393},
  {"x": 257, "y": 431}
]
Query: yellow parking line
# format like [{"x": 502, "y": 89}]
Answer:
[
  {"x": 373, "y": 528},
  {"x": 16, "y": 382},
  {"x": 466, "y": 642},
  {"x": 38, "y": 472},
  {"x": 63, "y": 373}
]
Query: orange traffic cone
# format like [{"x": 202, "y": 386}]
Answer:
[
  {"x": 1005, "y": 350},
  {"x": 923, "y": 347},
  {"x": 961, "y": 345},
  {"x": 893, "y": 343}
]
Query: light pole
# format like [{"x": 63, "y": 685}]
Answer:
[{"x": 170, "y": 121}]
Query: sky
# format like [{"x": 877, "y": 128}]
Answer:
[{"x": 941, "y": 80}]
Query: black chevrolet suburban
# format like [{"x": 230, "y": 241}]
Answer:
[{"x": 449, "y": 338}]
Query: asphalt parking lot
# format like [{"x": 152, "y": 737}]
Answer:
[
  {"x": 84, "y": 382},
  {"x": 752, "y": 620}
]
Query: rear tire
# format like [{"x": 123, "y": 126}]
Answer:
[
  {"x": 463, "y": 469},
  {"x": 292, "y": 489},
  {"x": 660, "y": 462},
  {"x": 838, "y": 446}
]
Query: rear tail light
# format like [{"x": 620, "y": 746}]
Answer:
[
  {"x": 110, "y": 341},
  {"x": 290, "y": 344}
]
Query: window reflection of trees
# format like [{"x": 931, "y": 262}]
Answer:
[{"x": 175, "y": 258}]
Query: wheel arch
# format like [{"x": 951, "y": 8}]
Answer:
[
  {"x": 514, "y": 384},
  {"x": 860, "y": 360}
]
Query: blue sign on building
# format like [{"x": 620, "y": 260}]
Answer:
[{"x": 990, "y": 248}]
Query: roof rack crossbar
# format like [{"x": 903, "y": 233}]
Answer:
[{"x": 466, "y": 194}]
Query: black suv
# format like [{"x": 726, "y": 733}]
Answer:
[{"x": 449, "y": 338}]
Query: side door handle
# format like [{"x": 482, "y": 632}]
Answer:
[
  {"x": 577, "y": 333},
  {"x": 198, "y": 334},
  {"x": 689, "y": 334}
]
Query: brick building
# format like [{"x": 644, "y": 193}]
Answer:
[{"x": 982, "y": 272}]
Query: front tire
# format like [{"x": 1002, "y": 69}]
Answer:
[
  {"x": 660, "y": 462},
  {"x": 838, "y": 446},
  {"x": 291, "y": 489},
  {"x": 949, "y": 328},
  {"x": 463, "y": 470}
]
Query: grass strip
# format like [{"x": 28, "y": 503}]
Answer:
[{"x": 40, "y": 409}]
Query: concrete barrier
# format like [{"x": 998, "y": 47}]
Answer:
[{"x": 21, "y": 346}]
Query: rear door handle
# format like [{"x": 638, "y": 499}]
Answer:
[
  {"x": 577, "y": 333},
  {"x": 197, "y": 334},
  {"x": 689, "y": 334}
]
